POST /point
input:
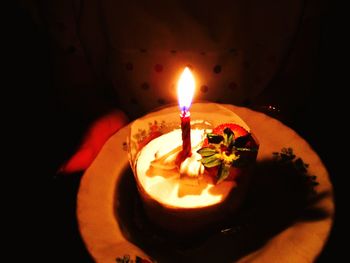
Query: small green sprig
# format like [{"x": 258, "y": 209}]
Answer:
[{"x": 224, "y": 151}]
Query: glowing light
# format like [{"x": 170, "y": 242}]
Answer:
[{"x": 185, "y": 89}]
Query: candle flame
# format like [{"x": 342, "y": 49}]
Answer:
[{"x": 185, "y": 89}]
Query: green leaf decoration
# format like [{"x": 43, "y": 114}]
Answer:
[
  {"x": 224, "y": 151},
  {"x": 229, "y": 138},
  {"x": 214, "y": 138},
  {"x": 207, "y": 151},
  {"x": 214, "y": 163},
  {"x": 242, "y": 141},
  {"x": 223, "y": 173},
  {"x": 209, "y": 159}
]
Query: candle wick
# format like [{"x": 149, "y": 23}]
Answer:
[{"x": 185, "y": 112}]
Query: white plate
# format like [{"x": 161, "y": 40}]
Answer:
[{"x": 273, "y": 229}]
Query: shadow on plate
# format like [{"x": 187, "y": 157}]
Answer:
[{"x": 280, "y": 196}]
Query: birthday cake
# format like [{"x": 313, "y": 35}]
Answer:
[
  {"x": 191, "y": 178},
  {"x": 187, "y": 195}
]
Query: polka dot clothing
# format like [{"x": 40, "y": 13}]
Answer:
[
  {"x": 234, "y": 49},
  {"x": 232, "y": 60},
  {"x": 150, "y": 77}
]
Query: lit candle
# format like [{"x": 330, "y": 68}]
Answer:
[{"x": 185, "y": 91}]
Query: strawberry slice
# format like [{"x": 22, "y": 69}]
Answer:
[
  {"x": 237, "y": 130},
  {"x": 247, "y": 141}
]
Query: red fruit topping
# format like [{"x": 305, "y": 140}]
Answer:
[{"x": 237, "y": 130}]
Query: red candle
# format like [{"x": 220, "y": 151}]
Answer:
[
  {"x": 186, "y": 133},
  {"x": 185, "y": 89}
]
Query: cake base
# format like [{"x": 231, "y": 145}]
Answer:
[
  {"x": 165, "y": 187},
  {"x": 181, "y": 221}
]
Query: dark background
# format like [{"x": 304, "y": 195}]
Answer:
[{"x": 54, "y": 132}]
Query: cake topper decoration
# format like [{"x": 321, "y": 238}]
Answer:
[{"x": 227, "y": 146}]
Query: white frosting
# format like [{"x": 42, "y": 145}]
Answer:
[{"x": 161, "y": 179}]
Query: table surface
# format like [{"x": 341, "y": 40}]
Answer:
[{"x": 284, "y": 229}]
